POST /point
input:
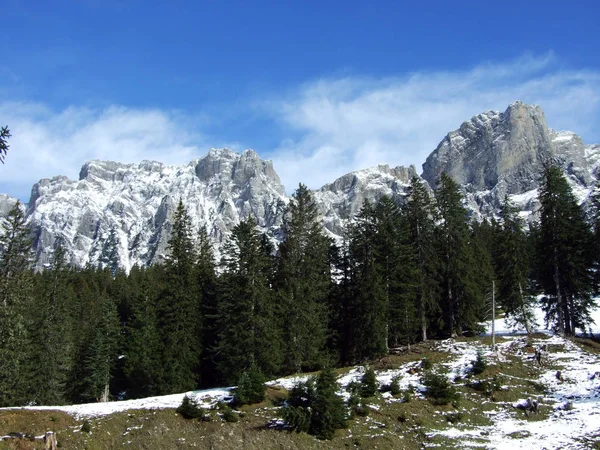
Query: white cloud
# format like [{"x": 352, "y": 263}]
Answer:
[
  {"x": 355, "y": 122},
  {"x": 46, "y": 143}
]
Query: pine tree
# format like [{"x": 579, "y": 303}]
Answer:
[
  {"x": 512, "y": 269},
  {"x": 16, "y": 286},
  {"x": 419, "y": 214},
  {"x": 303, "y": 283},
  {"x": 564, "y": 255},
  {"x": 249, "y": 335},
  {"x": 179, "y": 316}
]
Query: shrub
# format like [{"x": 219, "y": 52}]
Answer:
[
  {"x": 439, "y": 390},
  {"x": 189, "y": 409},
  {"x": 315, "y": 407},
  {"x": 297, "y": 418},
  {"x": 86, "y": 427},
  {"x": 426, "y": 364},
  {"x": 368, "y": 383},
  {"x": 479, "y": 365},
  {"x": 395, "y": 386},
  {"x": 229, "y": 415},
  {"x": 251, "y": 387}
]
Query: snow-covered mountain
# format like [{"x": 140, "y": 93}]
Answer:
[
  {"x": 490, "y": 155},
  {"x": 495, "y": 154}
]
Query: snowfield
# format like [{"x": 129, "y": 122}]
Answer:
[{"x": 571, "y": 396}]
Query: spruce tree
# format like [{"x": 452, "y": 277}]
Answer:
[
  {"x": 462, "y": 298},
  {"x": 328, "y": 410},
  {"x": 248, "y": 332},
  {"x": 418, "y": 212},
  {"x": 395, "y": 258},
  {"x": 564, "y": 257},
  {"x": 368, "y": 306},
  {"x": 513, "y": 268},
  {"x": 16, "y": 305},
  {"x": 179, "y": 315},
  {"x": 207, "y": 286},
  {"x": 143, "y": 342},
  {"x": 303, "y": 282},
  {"x": 52, "y": 351}
]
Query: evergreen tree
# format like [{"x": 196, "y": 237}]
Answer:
[
  {"x": 328, "y": 409},
  {"x": 16, "y": 289},
  {"x": 109, "y": 256},
  {"x": 249, "y": 335},
  {"x": 303, "y": 282},
  {"x": 179, "y": 316},
  {"x": 564, "y": 255},
  {"x": 207, "y": 285},
  {"x": 101, "y": 352},
  {"x": 52, "y": 351},
  {"x": 462, "y": 298},
  {"x": 143, "y": 343},
  {"x": 395, "y": 258},
  {"x": 512, "y": 269},
  {"x": 595, "y": 248},
  {"x": 368, "y": 306},
  {"x": 4, "y": 135},
  {"x": 419, "y": 214}
]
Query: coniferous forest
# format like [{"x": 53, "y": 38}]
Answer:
[{"x": 408, "y": 270}]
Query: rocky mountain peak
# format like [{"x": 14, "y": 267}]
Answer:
[{"x": 491, "y": 155}]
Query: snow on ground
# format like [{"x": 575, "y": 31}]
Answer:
[
  {"x": 564, "y": 428},
  {"x": 205, "y": 398},
  {"x": 574, "y": 396}
]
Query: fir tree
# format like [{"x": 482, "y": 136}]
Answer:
[
  {"x": 512, "y": 269},
  {"x": 419, "y": 214},
  {"x": 143, "y": 342},
  {"x": 52, "y": 352},
  {"x": 461, "y": 298},
  {"x": 395, "y": 258},
  {"x": 328, "y": 410},
  {"x": 368, "y": 306},
  {"x": 16, "y": 289},
  {"x": 564, "y": 257},
  {"x": 179, "y": 315},
  {"x": 303, "y": 282},
  {"x": 207, "y": 285},
  {"x": 246, "y": 312}
]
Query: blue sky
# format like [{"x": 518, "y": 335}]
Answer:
[{"x": 322, "y": 88}]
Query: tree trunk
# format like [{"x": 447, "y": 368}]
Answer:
[{"x": 525, "y": 321}]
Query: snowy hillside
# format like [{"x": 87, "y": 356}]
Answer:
[{"x": 567, "y": 387}]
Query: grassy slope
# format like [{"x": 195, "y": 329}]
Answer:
[{"x": 390, "y": 424}]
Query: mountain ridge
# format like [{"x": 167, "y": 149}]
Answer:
[{"x": 491, "y": 155}]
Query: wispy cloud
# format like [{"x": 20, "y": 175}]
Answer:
[
  {"x": 46, "y": 143},
  {"x": 334, "y": 125},
  {"x": 355, "y": 122}
]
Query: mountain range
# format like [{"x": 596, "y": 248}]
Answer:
[{"x": 491, "y": 155}]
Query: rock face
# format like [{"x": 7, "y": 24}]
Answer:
[
  {"x": 137, "y": 201},
  {"x": 341, "y": 200},
  {"x": 492, "y": 155},
  {"x": 497, "y": 154}
]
